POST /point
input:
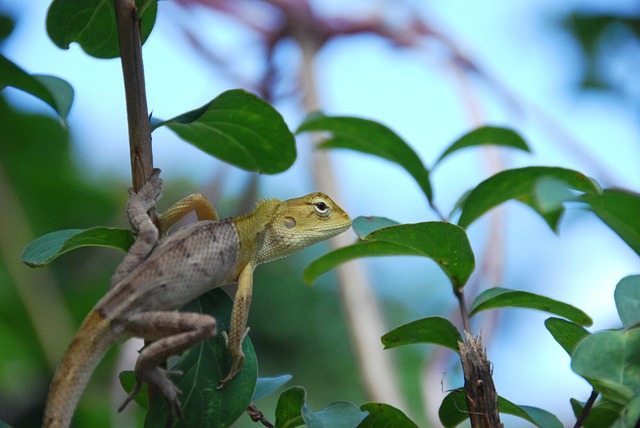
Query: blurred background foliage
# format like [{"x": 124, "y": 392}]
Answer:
[
  {"x": 295, "y": 329},
  {"x": 609, "y": 50}
]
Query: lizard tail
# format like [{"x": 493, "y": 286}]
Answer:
[{"x": 93, "y": 340}]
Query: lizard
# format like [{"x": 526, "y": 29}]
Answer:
[{"x": 160, "y": 274}]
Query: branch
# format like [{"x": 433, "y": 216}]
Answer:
[
  {"x": 482, "y": 398},
  {"x": 130, "y": 42}
]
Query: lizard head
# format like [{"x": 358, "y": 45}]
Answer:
[{"x": 298, "y": 223}]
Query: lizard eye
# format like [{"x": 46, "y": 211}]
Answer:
[{"x": 321, "y": 206}]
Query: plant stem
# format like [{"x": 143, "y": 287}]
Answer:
[
  {"x": 464, "y": 313},
  {"x": 130, "y": 41},
  {"x": 586, "y": 410}
]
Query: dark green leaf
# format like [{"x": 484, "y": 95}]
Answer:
[
  {"x": 269, "y": 385},
  {"x": 239, "y": 128},
  {"x": 127, "y": 381},
  {"x": 289, "y": 408},
  {"x": 620, "y": 210},
  {"x": 52, "y": 245},
  {"x": 566, "y": 333},
  {"x": 503, "y": 297},
  {"x": 536, "y": 416},
  {"x": 486, "y": 136},
  {"x": 92, "y": 24},
  {"x": 330, "y": 260},
  {"x": 627, "y": 297},
  {"x": 203, "y": 366},
  {"x": 444, "y": 243},
  {"x": 610, "y": 362},
  {"x": 363, "y": 226},
  {"x": 340, "y": 414},
  {"x": 367, "y": 136},
  {"x": 52, "y": 90},
  {"x": 630, "y": 414},
  {"x": 384, "y": 416},
  {"x": 436, "y": 330},
  {"x": 6, "y": 27},
  {"x": 603, "y": 414},
  {"x": 519, "y": 184},
  {"x": 453, "y": 411}
]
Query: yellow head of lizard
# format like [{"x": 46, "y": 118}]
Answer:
[{"x": 292, "y": 225}]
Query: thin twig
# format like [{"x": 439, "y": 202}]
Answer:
[
  {"x": 257, "y": 416},
  {"x": 586, "y": 410},
  {"x": 464, "y": 312}
]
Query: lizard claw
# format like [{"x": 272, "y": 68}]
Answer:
[
  {"x": 238, "y": 358},
  {"x": 158, "y": 378},
  {"x": 238, "y": 362}
]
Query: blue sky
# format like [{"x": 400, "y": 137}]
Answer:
[{"x": 417, "y": 95}]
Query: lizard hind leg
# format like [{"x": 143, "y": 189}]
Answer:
[{"x": 173, "y": 333}]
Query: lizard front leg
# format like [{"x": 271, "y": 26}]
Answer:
[
  {"x": 238, "y": 329},
  {"x": 146, "y": 232},
  {"x": 173, "y": 333}
]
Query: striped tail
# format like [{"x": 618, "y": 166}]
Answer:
[{"x": 92, "y": 341}]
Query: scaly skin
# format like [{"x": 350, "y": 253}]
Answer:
[{"x": 160, "y": 275}]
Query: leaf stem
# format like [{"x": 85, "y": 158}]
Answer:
[{"x": 464, "y": 312}]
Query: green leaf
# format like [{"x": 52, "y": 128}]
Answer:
[
  {"x": 289, "y": 408},
  {"x": 334, "y": 258},
  {"x": 92, "y": 24},
  {"x": 269, "y": 385},
  {"x": 444, "y": 243},
  {"x": 503, "y": 297},
  {"x": 520, "y": 184},
  {"x": 610, "y": 362},
  {"x": 367, "y": 136},
  {"x": 453, "y": 411},
  {"x": 52, "y": 90},
  {"x": 620, "y": 210},
  {"x": 627, "y": 297},
  {"x": 292, "y": 411},
  {"x": 486, "y": 136},
  {"x": 630, "y": 414},
  {"x": 239, "y": 128},
  {"x": 550, "y": 193},
  {"x": 383, "y": 416},
  {"x": 340, "y": 414},
  {"x": 566, "y": 333},
  {"x": 46, "y": 248},
  {"x": 363, "y": 226},
  {"x": 436, "y": 330},
  {"x": 203, "y": 366},
  {"x": 536, "y": 416},
  {"x": 602, "y": 414}
]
